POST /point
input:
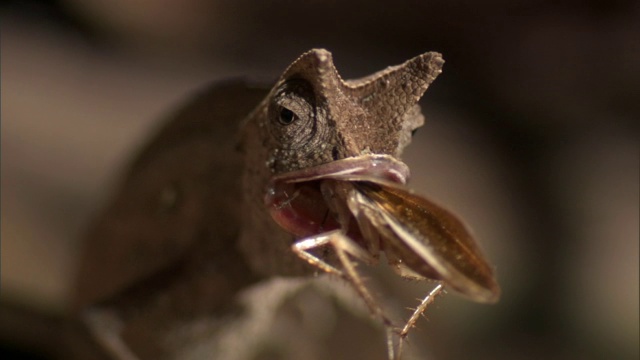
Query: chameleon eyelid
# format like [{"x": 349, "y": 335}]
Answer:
[{"x": 286, "y": 116}]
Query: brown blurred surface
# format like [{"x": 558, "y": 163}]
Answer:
[{"x": 531, "y": 136}]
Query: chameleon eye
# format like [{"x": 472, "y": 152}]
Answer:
[
  {"x": 293, "y": 120},
  {"x": 286, "y": 116}
]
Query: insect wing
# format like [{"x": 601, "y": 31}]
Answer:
[{"x": 431, "y": 235}]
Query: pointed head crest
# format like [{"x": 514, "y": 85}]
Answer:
[{"x": 312, "y": 116}]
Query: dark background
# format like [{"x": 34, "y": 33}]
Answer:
[{"x": 531, "y": 135}]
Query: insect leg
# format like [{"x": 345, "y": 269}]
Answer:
[
  {"x": 343, "y": 247},
  {"x": 301, "y": 248}
]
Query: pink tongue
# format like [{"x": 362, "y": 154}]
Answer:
[{"x": 300, "y": 209}]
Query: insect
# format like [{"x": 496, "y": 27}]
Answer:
[
  {"x": 358, "y": 205},
  {"x": 360, "y": 208}
]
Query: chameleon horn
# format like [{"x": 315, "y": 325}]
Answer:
[{"x": 391, "y": 92}]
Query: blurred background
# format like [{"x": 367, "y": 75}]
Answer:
[{"x": 531, "y": 136}]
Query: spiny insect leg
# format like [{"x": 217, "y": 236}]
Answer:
[
  {"x": 420, "y": 310},
  {"x": 343, "y": 247}
]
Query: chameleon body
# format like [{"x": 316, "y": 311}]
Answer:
[{"x": 204, "y": 212}]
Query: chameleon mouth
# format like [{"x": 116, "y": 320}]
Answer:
[{"x": 297, "y": 202}]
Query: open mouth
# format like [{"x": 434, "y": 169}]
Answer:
[
  {"x": 419, "y": 235},
  {"x": 297, "y": 203}
]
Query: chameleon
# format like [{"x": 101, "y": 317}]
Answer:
[{"x": 225, "y": 198}]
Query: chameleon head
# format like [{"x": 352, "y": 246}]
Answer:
[{"x": 312, "y": 117}]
